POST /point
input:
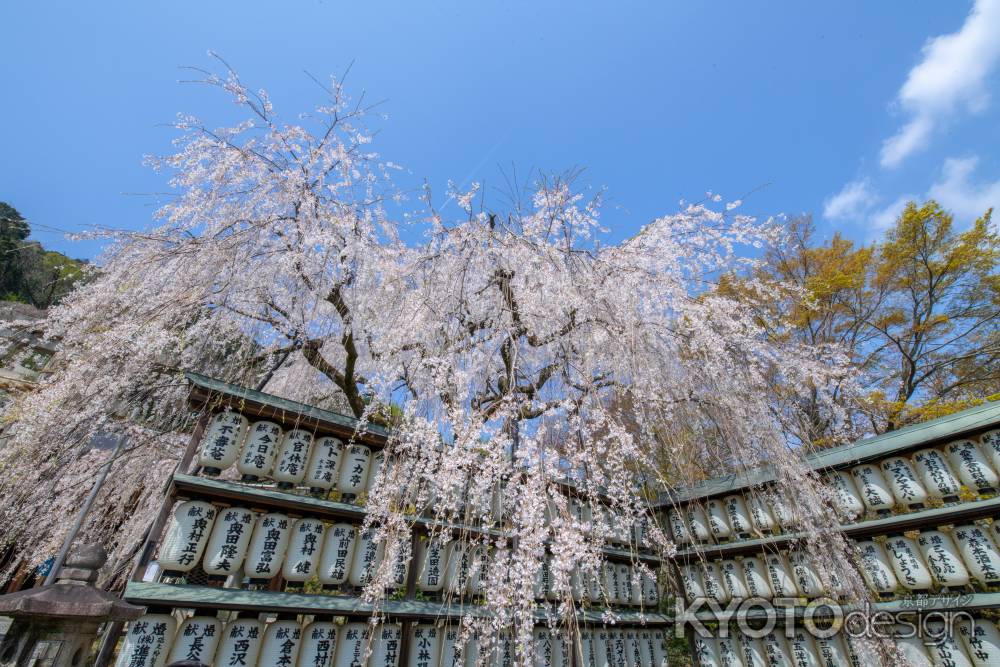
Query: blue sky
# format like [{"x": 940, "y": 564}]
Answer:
[{"x": 657, "y": 101}]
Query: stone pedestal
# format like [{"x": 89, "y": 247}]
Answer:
[{"x": 56, "y": 625}]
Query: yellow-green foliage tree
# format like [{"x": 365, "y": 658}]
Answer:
[{"x": 918, "y": 312}]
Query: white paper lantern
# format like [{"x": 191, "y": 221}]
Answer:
[
  {"x": 324, "y": 464},
  {"x": 282, "y": 640},
  {"x": 587, "y": 653},
  {"x": 694, "y": 588},
  {"x": 660, "y": 658},
  {"x": 187, "y": 535},
  {"x": 576, "y": 584},
  {"x": 502, "y": 654},
  {"x": 386, "y": 638},
  {"x": 624, "y": 584},
  {"x": 754, "y": 653},
  {"x": 304, "y": 550},
  {"x": 268, "y": 546},
  {"x": 859, "y": 651},
  {"x": 319, "y": 645},
  {"x": 220, "y": 445},
  {"x": 738, "y": 515},
  {"x": 400, "y": 564},
  {"x": 261, "y": 446},
  {"x": 706, "y": 651},
  {"x": 147, "y": 641},
  {"x": 779, "y": 575},
  {"x": 777, "y": 649},
  {"x": 593, "y": 586},
  {"x": 697, "y": 522},
  {"x": 432, "y": 565},
  {"x": 831, "y": 651},
  {"x": 640, "y": 532},
  {"x": 611, "y": 582},
  {"x": 756, "y": 577},
  {"x": 730, "y": 653},
  {"x": 352, "y": 645},
  {"x": 760, "y": 514},
  {"x": 650, "y": 591},
  {"x": 618, "y": 653},
  {"x": 912, "y": 647},
  {"x": 979, "y": 554},
  {"x": 981, "y": 641},
  {"x": 936, "y": 474},
  {"x": 807, "y": 580},
  {"x": 241, "y": 642},
  {"x": 991, "y": 447},
  {"x": 678, "y": 529},
  {"x": 196, "y": 640},
  {"x": 903, "y": 482},
  {"x": 875, "y": 567},
  {"x": 782, "y": 513},
  {"x": 941, "y": 554},
  {"x": 732, "y": 579},
  {"x": 803, "y": 650},
  {"x": 354, "y": 470},
  {"x": 947, "y": 649},
  {"x": 457, "y": 564},
  {"x": 425, "y": 646},
  {"x": 475, "y": 653},
  {"x": 452, "y": 649},
  {"x": 477, "y": 577},
  {"x": 365, "y": 559},
  {"x": 714, "y": 588},
  {"x": 633, "y": 650},
  {"x": 873, "y": 488},
  {"x": 846, "y": 499},
  {"x": 548, "y": 650},
  {"x": 971, "y": 466},
  {"x": 337, "y": 554},
  {"x": 634, "y": 586},
  {"x": 911, "y": 571},
  {"x": 227, "y": 546},
  {"x": 718, "y": 520},
  {"x": 293, "y": 458}
]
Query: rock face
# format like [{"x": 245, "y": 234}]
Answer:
[{"x": 61, "y": 620}]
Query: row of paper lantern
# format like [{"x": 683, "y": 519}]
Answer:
[
  {"x": 295, "y": 458},
  {"x": 262, "y": 449},
  {"x": 934, "y": 559},
  {"x": 231, "y": 540},
  {"x": 896, "y": 482},
  {"x": 978, "y": 643},
  {"x": 772, "y": 575},
  {"x": 618, "y": 584},
  {"x": 585, "y": 516},
  {"x": 900, "y": 482},
  {"x": 774, "y": 649},
  {"x": 155, "y": 640}
]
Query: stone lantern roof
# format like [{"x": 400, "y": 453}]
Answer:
[{"x": 73, "y": 595}]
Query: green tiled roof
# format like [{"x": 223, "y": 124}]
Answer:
[
  {"x": 283, "y": 404},
  {"x": 926, "y": 433},
  {"x": 174, "y": 595}
]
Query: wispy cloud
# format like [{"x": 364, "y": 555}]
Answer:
[
  {"x": 853, "y": 200},
  {"x": 957, "y": 193},
  {"x": 953, "y": 73},
  {"x": 885, "y": 217}
]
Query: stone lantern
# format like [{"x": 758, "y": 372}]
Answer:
[{"x": 56, "y": 625}]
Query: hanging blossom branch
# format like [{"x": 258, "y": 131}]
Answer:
[{"x": 519, "y": 347}]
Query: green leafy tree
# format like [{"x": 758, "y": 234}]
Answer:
[{"x": 13, "y": 231}]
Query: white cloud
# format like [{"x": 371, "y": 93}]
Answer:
[
  {"x": 851, "y": 202},
  {"x": 884, "y": 218},
  {"x": 953, "y": 72},
  {"x": 957, "y": 193}
]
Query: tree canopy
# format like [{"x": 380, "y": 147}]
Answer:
[{"x": 29, "y": 273}]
